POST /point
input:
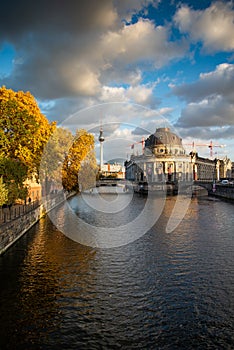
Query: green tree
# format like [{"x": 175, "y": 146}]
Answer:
[
  {"x": 3, "y": 192},
  {"x": 13, "y": 174}
]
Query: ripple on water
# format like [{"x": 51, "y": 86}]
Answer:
[{"x": 164, "y": 291}]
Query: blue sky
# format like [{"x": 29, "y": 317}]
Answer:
[{"x": 120, "y": 63}]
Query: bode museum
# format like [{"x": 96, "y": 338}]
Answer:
[{"x": 164, "y": 160}]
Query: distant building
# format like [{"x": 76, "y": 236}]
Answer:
[
  {"x": 113, "y": 170},
  {"x": 205, "y": 169},
  {"x": 232, "y": 170},
  {"x": 163, "y": 159},
  {"x": 225, "y": 168},
  {"x": 34, "y": 189}
]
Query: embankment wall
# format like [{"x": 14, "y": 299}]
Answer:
[
  {"x": 223, "y": 191},
  {"x": 11, "y": 231}
]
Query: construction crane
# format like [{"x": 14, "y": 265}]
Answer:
[
  {"x": 137, "y": 142},
  {"x": 210, "y": 145}
]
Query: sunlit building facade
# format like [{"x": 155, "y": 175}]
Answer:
[{"x": 163, "y": 159}]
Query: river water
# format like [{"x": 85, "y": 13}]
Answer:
[{"x": 163, "y": 291}]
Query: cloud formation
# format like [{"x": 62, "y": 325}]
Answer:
[
  {"x": 70, "y": 50},
  {"x": 211, "y": 26},
  {"x": 75, "y": 55},
  {"x": 210, "y": 99}
]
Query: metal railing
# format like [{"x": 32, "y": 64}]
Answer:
[{"x": 8, "y": 213}]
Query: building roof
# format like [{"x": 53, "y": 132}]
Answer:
[{"x": 163, "y": 136}]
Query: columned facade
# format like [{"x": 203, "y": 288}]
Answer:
[
  {"x": 163, "y": 160},
  {"x": 205, "y": 169}
]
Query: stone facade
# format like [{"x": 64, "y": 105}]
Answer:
[
  {"x": 205, "y": 169},
  {"x": 164, "y": 159}
]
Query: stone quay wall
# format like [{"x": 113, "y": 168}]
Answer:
[
  {"x": 11, "y": 231},
  {"x": 223, "y": 191}
]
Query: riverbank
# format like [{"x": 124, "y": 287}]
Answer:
[
  {"x": 222, "y": 191},
  {"x": 12, "y": 230}
]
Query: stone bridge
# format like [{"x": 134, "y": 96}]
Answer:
[
  {"x": 109, "y": 182},
  {"x": 208, "y": 185},
  {"x": 218, "y": 189}
]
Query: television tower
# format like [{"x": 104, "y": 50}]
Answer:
[{"x": 101, "y": 140}]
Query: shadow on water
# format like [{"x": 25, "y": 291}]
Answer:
[{"x": 163, "y": 291}]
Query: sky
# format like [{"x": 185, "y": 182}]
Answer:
[{"x": 130, "y": 66}]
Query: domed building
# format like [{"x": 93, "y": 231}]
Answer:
[
  {"x": 163, "y": 141},
  {"x": 163, "y": 160}
]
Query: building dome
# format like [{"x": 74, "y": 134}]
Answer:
[{"x": 163, "y": 141}]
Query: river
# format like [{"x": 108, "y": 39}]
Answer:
[{"x": 165, "y": 290}]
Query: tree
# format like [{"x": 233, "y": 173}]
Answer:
[
  {"x": 88, "y": 172},
  {"x": 53, "y": 157},
  {"x": 79, "y": 161},
  {"x": 24, "y": 130},
  {"x": 13, "y": 174},
  {"x": 3, "y": 192}
]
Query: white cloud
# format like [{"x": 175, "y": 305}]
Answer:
[
  {"x": 141, "y": 42},
  {"x": 217, "y": 82},
  {"x": 127, "y": 8},
  {"x": 113, "y": 94},
  {"x": 214, "y": 26},
  {"x": 124, "y": 133},
  {"x": 81, "y": 79},
  {"x": 80, "y": 62},
  {"x": 165, "y": 111},
  {"x": 140, "y": 94},
  {"x": 135, "y": 77},
  {"x": 210, "y": 99},
  {"x": 212, "y": 111}
]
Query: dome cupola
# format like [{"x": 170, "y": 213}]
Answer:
[{"x": 163, "y": 141}]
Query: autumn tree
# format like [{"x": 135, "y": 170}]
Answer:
[
  {"x": 79, "y": 168},
  {"x": 24, "y": 130},
  {"x": 53, "y": 157}
]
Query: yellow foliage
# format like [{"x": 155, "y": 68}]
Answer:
[
  {"x": 81, "y": 156},
  {"x": 24, "y": 130}
]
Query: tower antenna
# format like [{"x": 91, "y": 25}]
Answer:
[{"x": 101, "y": 140}]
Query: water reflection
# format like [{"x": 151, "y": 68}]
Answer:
[
  {"x": 167, "y": 290},
  {"x": 101, "y": 229}
]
